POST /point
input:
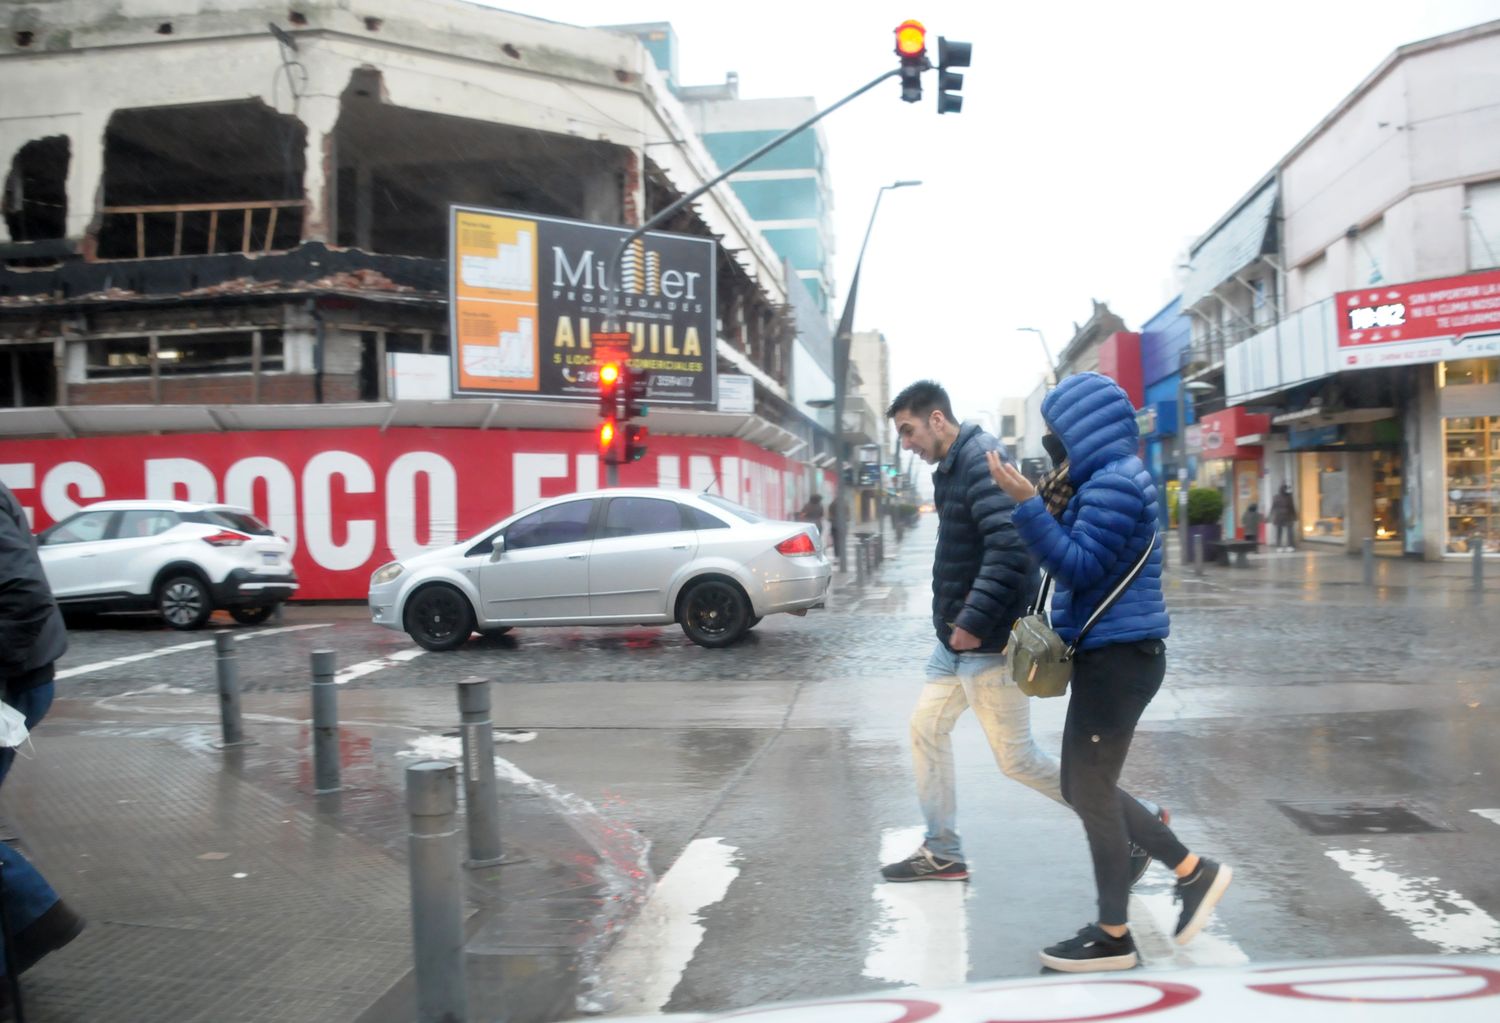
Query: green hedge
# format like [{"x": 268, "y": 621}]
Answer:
[{"x": 1205, "y": 506}]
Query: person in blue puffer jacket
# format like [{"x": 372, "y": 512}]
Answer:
[{"x": 1107, "y": 524}]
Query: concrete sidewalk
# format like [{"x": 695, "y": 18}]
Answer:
[{"x": 218, "y": 887}]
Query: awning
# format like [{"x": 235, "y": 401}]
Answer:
[{"x": 1238, "y": 240}]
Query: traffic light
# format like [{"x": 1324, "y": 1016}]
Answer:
[
  {"x": 951, "y": 54},
  {"x": 911, "y": 47},
  {"x": 635, "y": 443},
  {"x": 633, "y": 385},
  {"x": 607, "y": 439},
  {"x": 609, "y": 390}
]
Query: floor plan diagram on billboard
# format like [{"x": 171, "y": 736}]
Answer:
[
  {"x": 513, "y": 358},
  {"x": 509, "y": 269}
]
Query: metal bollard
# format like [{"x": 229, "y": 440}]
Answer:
[
  {"x": 481, "y": 804},
  {"x": 437, "y": 923},
  {"x": 1198, "y": 543},
  {"x": 859, "y": 562},
  {"x": 226, "y": 661},
  {"x": 325, "y": 712},
  {"x": 1476, "y": 544},
  {"x": 1368, "y": 549}
]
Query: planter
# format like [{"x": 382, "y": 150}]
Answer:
[{"x": 1200, "y": 536}]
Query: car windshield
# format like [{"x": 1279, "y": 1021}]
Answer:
[
  {"x": 242, "y": 521},
  {"x": 737, "y": 510}
]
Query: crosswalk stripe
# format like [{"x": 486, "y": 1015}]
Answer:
[
  {"x": 922, "y": 937},
  {"x": 86, "y": 669},
  {"x": 645, "y": 966},
  {"x": 1489, "y": 815},
  {"x": 355, "y": 671},
  {"x": 1153, "y": 919},
  {"x": 1435, "y": 914}
]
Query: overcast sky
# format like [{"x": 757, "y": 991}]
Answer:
[{"x": 1097, "y": 140}]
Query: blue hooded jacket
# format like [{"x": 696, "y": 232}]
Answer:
[{"x": 1107, "y": 524}]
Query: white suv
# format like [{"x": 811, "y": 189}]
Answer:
[{"x": 184, "y": 559}]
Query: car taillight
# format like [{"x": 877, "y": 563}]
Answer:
[
  {"x": 797, "y": 545},
  {"x": 225, "y": 538}
]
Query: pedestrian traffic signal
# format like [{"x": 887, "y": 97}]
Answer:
[
  {"x": 911, "y": 47},
  {"x": 635, "y": 443},
  {"x": 951, "y": 54},
  {"x": 609, "y": 390}
]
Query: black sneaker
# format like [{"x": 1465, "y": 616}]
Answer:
[
  {"x": 1199, "y": 893},
  {"x": 46, "y": 934},
  {"x": 1091, "y": 950},
  {"x": 924, "y": 866},
  {"x": 1140, "y": 859}
]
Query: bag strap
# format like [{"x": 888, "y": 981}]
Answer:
[{"x": 1114, "y": 594}]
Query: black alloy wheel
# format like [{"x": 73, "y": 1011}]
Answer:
[
  {"x": 715, "y": 613},
  {"x": 184, "y": 602},
  {"x": 439, "y": 618},
  {"x": 252, "y": 615}
]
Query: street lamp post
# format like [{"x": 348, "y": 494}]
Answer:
[
  {"x": 1051, "y": 366},
  {"x": 841, "y": 343}
]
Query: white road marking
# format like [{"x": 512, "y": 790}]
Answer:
[
  {"x": 645, "y": 966},
  {"x": 1439, "y": 915},
  {"x": 354, "y": 671},
  {"x": 1489, "y": 815},
  {"x": 85, "y": 669},
  {"x": 1153, "y": 919},
  {"x": 922, "y": 936}
]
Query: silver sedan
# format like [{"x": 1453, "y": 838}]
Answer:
[{"x": 608, "y": 557}]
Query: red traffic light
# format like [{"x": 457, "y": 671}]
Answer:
[
  {"x": 911, "y": 40},
  {"x": 609, "y": 374},
  {"x": 606, "y": 434}
]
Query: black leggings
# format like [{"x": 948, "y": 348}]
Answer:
[{"x": 1111, "y": 687}]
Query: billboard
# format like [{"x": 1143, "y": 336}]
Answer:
[
  {"x": 1427, "y": 321},
  {"x": 350, "y": 500},
  {"x": 526, "y": 294}
]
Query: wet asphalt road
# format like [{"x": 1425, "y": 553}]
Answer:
[{"x": 1285, "y": 686}]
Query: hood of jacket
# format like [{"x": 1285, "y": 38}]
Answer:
[{"x": 1095, "y": 420}]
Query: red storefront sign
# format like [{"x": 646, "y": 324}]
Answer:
[
  {"x": 1424, "y": 321},
  {"x": 351, "y": 500},
  {"x": 1223, "y": 430}
]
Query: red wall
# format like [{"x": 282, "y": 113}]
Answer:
[
  {"x": 1120, "y": 360},
  {"x": 351, "y": 500}
]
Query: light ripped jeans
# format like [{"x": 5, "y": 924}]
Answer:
[{"x": 956, "y": 682}]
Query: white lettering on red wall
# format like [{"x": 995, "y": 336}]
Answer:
[{"x": 348, "y": 501}]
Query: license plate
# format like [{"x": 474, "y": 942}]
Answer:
[{"x": 269, "y": 558}]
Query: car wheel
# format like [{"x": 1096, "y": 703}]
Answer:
[
  {"x": 184, "y": 602},
  {"x": 252, "y": 615},
  {"x": 715, "y": 613},
  {"x": 439, "y": 618},
  {"x": 752, "y": 623}
]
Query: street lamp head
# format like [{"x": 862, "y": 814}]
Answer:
[{"x": 1199, "y": 387}]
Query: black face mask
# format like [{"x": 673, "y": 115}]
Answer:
[{"x": 1054, "y": 445}]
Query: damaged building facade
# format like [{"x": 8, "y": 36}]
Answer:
[{"x": 225, "y": 254}]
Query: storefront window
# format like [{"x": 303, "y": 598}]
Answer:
[
  {"x": 1387, "y": 487},
  {"x": 1324, "y": 495},
  {"x": 1472, "y": 446}
]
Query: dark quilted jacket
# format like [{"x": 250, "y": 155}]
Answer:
[
  {"x": 31, "y": 627},
  {"x": 1107, "y": 524},
  {"x": 983, "y": 579}
]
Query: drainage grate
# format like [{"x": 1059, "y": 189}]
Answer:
[{"x": 1360, "y": 818}]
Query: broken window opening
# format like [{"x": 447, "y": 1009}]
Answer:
[
  {"x": 28, "y": 378},
  {"x": 184, "y": 355},
  {"x": 202, "y": 179},
  {"x": 36, "y": 190},
  {"x": 400, "y": 169}
]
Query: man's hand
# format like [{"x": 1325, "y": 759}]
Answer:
[
  {"x": 1009, "y": 479},
  {"x": 962, "y": 639}
]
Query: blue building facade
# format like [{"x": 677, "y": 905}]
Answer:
[{"x": 1166, "y": 410}]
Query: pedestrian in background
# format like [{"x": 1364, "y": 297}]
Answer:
[
  {"x": 812, "y": 512},
  {"x": 1251, "y": 521},
  {"x": 1283, "y": 516},
  {"x": 1108, "y": 523},
  {"x": 982, "y": 579},
  {"x": 32, "y": 638}
]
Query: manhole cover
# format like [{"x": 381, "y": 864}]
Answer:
[{"x": 1359, "y": 818}]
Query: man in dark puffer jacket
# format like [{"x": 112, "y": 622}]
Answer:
[{"x": 982, "y": 580}]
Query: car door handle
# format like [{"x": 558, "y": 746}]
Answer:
[
  {"x": 576, "y": 557},
  {"x": 679, "y": 546}
]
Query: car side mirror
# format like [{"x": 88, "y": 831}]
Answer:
[{"x": 497, "y": 548}]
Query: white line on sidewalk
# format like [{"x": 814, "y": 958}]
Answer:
[
  {"x": 85, "y": 669},
  {"x": 1439, "y": 915},
  {"x": 1489, "y": 815},
  {"x": 647, "y": 963},
  {"x": 922, "y": 936},
  {"x": 354, "y": 671}
]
